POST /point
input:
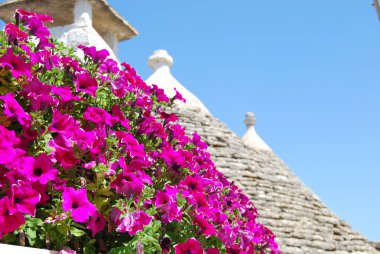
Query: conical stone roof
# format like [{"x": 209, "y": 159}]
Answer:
[{"x": 300, "y": 220}]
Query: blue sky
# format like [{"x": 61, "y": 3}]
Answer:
[{"x": 309, "y": 70}]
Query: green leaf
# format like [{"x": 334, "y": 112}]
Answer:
[
  {"x": 62, "y": 228},
  {"x": 31, "y": 235},
  {"x": 76, "y": 232},
  {"x": 121, "y": 250},
  {"x": 34, "y": 222},
  {"x": 105, "y": 192}
]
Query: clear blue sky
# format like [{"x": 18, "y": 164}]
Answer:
[{"x": 309, "y": 70}]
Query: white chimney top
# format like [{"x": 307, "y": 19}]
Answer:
[
  {"x": 251, "y": 138},
  {"x": 161, "y": 62}
]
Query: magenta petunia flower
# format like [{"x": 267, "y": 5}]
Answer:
[
  {"x": 9, "y": 222},
  {"x": 120, "y": 86},
  {"x": 191, "y": 184},
  {"x": 15, "y": 35},
  {"x": 62, "y": 123},
  {"x": 191, "y": 246},
  {"x": 67, "y": 251},
  {"x": 24, "y": 199},
  {"x": 47, "y": 59},
  {"x": 85, "y": 83},
  {"x": 99, "y": 116},
  {"x": 178, "y": 96},
  {"x": 42, "y": 170},
  {"x": 109, "y": 66},
  {"x": 227, "y": 235},
  {"x": 150, "y": 126},
  {"x": 160, "y": 94},
  {"x": 13, "y": 109},
  {"x": 118, "y": 114},
  {"x": 213, "y": 251},
  {"x": 96, "y": 223},
  {"x": 38, "y": 94},
  {"x": 37, "y": 28},
  {"x": 76, "y": 202},
  {"x": 133, "y": 222},
  {"x": 204, "y": 226},
  {"x": 63, "y": 152},
  {"x": 26, "y": 15},
  {"x": 8, "y": 140},
  {"x": 128, "y": 185},
  {"x": 41, "y": 189},
  {"x": 166, "y": 204},
  {"x": 96, "y": 55},
  {"x": 17, "y": 65},
  {"x": 65, "y": 95}
]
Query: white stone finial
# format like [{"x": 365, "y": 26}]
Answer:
[
  {"x": 160, "y": 62},
  {"x": 251, "y": 138},
  {"x": 160, "y": 58},
  {"x": 250, "y": 119}
]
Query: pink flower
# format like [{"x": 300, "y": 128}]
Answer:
[
  {"x": 47, "y": 59},
  {"x": 200, "y": 203},
  {"x": 96, "y": 56},
  {"x": 227, "y": 235},
  {"x": 67, "y": 251},
  {"x": 150, "y": 126},
  {"x": 120, "y": 86},
  {"x": 205, "y": 227},
  {"x": 192, "y": 183},
  {"x": 26, "y": 15},
  {"x": 178, "y": 96},
  {"x": 133, "y": 222},
  {"x": 63, "y": 152},
  {"x": 168, "y": 117},
  {"x": 38, "y": 93},
  {"x": 62, "y": 123},
  {"x": 17, "y": 65},
  {"x": 42, "y": 170},
  {"x": 41, "y": 189},
  {"x": 118, "y": 114},
  {"x": 191, "y": 246},
  {"x": 85, "y": 83},
  {"x": 175, "y": 159},
  {"x": 15, "y": 35},
  {"x": 65, "y": 94},
  {"x": 128, "y": 185},
  {"x": 99, "y": 116},
  {"x": 213, "y": 251},
  {"x": 96, "y": 223},
  {"x": 76, "y": 202},
  {"x": 9, "y": 222},
  {"x": 109, "y": 66},
  {"x": 160, "y": 94},
  {"x": 13, "y": 109},
  {"x": 8, "y": 140},
  {"x": 37, "y": 28},
  {"x": 166, "y": 204},
  {"x": 24, "y": 199}
]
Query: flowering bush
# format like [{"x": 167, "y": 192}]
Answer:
[{"x": 91, "y": 162}]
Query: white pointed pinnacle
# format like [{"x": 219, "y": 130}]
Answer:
[
  {"x": 251, "y": 138},
  {"x": 160, "y": 58},
  {"x": 160, "y": 62},
  {"x": 250, "y": 119}
]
